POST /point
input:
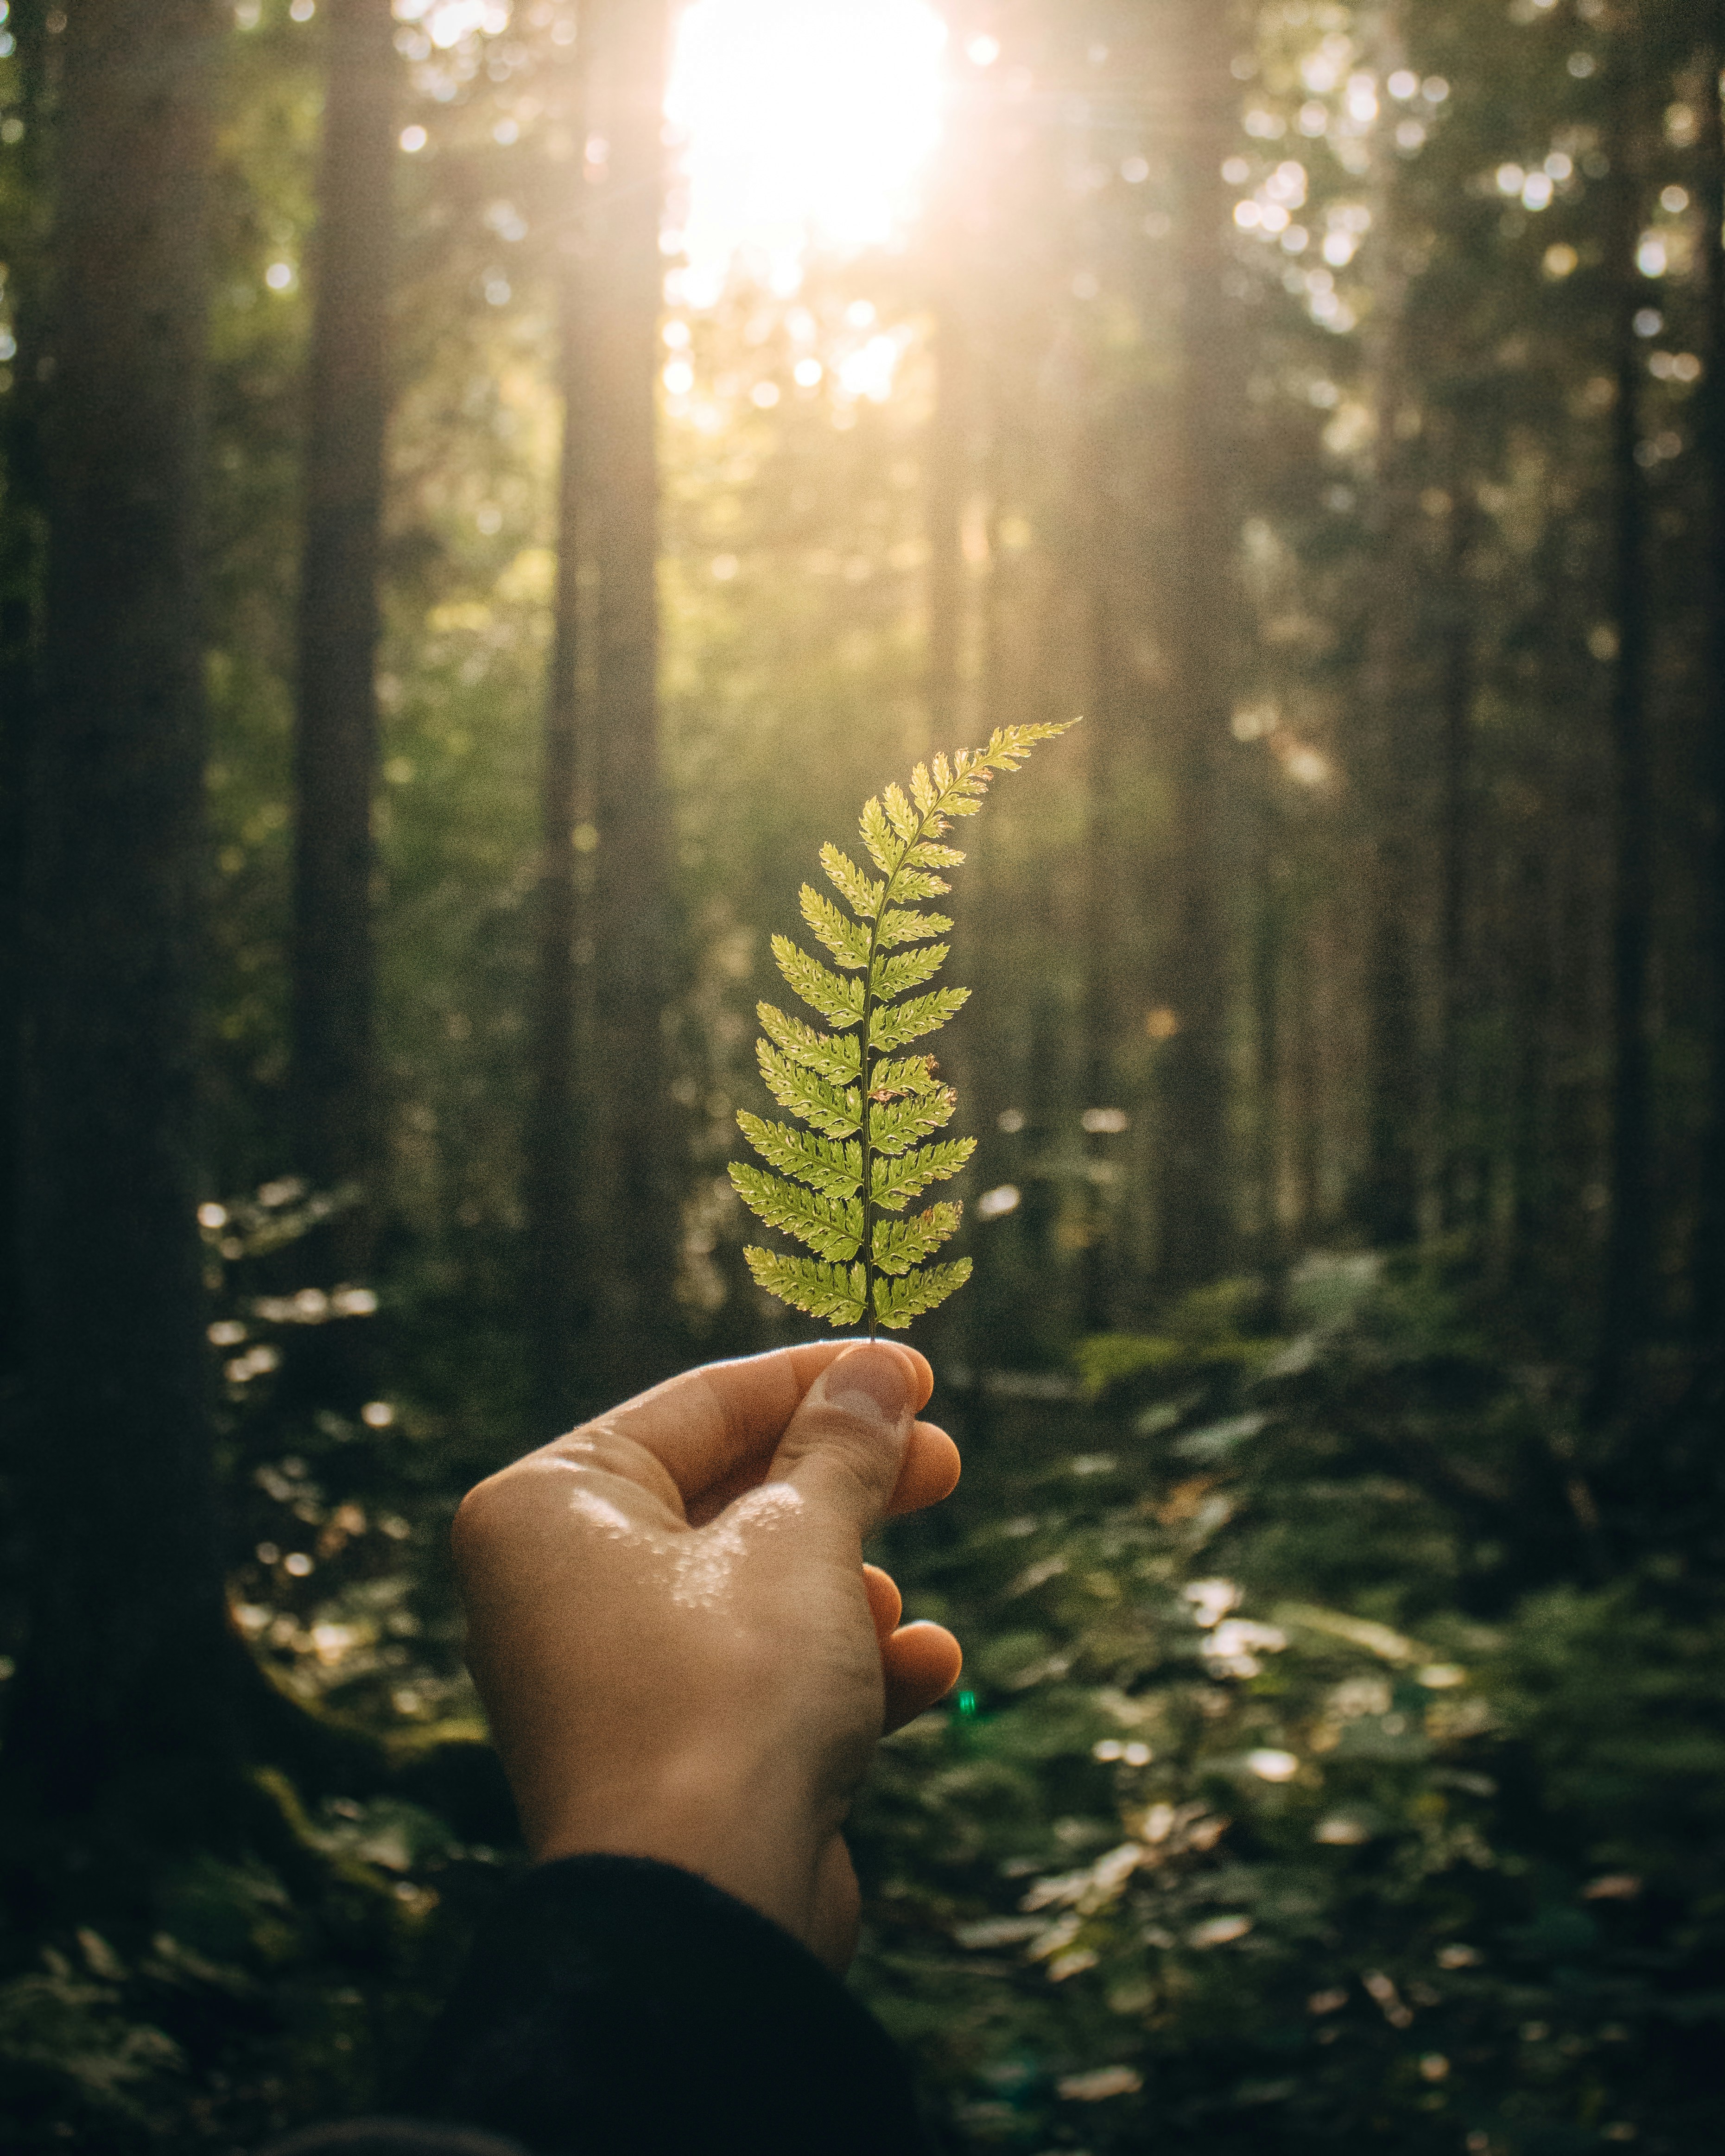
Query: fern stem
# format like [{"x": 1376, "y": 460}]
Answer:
[
  {"x": 929, "y": 816},
  {"x": 868, "y": 1130}
]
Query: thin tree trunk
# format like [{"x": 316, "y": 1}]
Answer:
[
  {"x": 1388, "y": 1195},
  {"x": 559, "y": 1288},
  {"x": 949, "y": 462},
  {"x": 1195, "y": 1213},
  {"x": 336, "y": 738},
  {"x": 122, "y": 1698},
  {"x": 1307, "y": 1089},
  {"x": 1626, "y": 1303},
  {"x": 1270, "y": 941},
  {"x": 1710, "y": 1269},
  {"x": 1459, "y": 1184},
  {"x": 636, "y": 1152}
]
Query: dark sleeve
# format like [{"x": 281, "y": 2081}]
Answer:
[{"x": 614, "y": 2004}]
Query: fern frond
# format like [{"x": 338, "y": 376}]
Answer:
[
  {"x": 824, "y": 1164},
  {"x": 837, "y": 1293},
  {"x": 896, "y": 927},
  {"x": 896, "y": 1125},
  {"x": 840, "y": 1060},
  {"x": 889, "y": 978},
  {"x": 831, "y": 1227},
  {"x": 838, "y": 1001},
  {"x": 897, "y": 1302},
  {"x": 834, "y": 1110},
  {"x": 900, "y": 1245},
  {"x": 842, "y": 1184},
  {"x": 847, "y": 940},
  {"x": 891, "y": 1028},
  {"x": 893, "y": 1184},
  {"x": 857, "y": 892}
]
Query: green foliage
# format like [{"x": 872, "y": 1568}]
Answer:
[
  {"x": 1280, "y": 1811},
  {"x": 866, "y": 1134}
]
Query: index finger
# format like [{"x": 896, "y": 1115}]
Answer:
[{"x": 715, "y": 1430}]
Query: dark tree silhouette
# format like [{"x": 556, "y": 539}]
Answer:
[
  {"x": 635, "y": 1154},
  {"x": 22, "y": 533},
  {"x": 1629, "y": 1246},
  {"x": 336, "y": 738},
  {"x": 560, "y": 1286},
  {"x": 1710, "y": 193},
  {"x": 121, "y": 1698},
  {"x": 1195, "y": 1213}
]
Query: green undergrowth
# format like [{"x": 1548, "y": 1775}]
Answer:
[
  {"x": 1340, "y": 1757},
  {"x": 1339, "y": 1761}
]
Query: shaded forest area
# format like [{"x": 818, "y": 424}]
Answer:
[{"x": 443, "y": 609}]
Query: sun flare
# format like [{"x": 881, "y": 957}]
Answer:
[{"x": 804, "y": 124}]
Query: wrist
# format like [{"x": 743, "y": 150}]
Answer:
[{"x": 743, "y": 1828}]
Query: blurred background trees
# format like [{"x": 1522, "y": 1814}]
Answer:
[{"x": 631, "y": 434}]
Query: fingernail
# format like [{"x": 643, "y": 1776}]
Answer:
[{"x": 870, "y": 1382}]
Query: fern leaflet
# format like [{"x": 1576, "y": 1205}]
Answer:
[
  {"x": 822, "y": 1164},
  {"x": 834, "y": 1110}
]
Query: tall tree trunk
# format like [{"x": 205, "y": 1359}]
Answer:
[
  {"x": 1626, "y": 1306},
  {"x": 1710, "y": 1269},
  {"x": 1387, "y": 1198},
  {"x": 23, "y": 506},
  {"x": 122, "y": 1699},
  {"x": 560, "y": 1288},
  {"x": 1195, "y": 1213},
  {"x": 636, "y": 1153},
  {"x": 335, "y": 737}
]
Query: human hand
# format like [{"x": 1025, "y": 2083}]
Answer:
[{"x": 681, "y": 1649}]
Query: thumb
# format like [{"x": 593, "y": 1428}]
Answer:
[{"x": 845, "y": 1445}]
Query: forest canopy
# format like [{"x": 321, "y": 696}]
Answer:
[{"x": 486, "y": 487}]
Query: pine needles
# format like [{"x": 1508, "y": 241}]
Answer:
[{"x": 844, "y": 1186}]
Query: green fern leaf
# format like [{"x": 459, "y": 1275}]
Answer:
[
  {"x": 837, "y": 1293},
  {"x": 892, "y": 978},
  {"x": 897, "y": 1302},
  {"x": 842, "y": 1184},
  {"x": 900, "y": 1245},
  {"x": 824, "y": 1163},
  {"x": 898, "y": 927},
  {"x": 893, "y": 1184},
  {"x": 831, "y": 1227},
  {"x": 839, "y": 1002},
  {"x": 847, "y": 940},
  {"x": 893, "y": 1027},
  {"x": 840, "y": 1060},
  {"x": 857, "y": 892},
  {"x": 836, "y": 1112},
  {"x": 898, "y": 1125}
]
